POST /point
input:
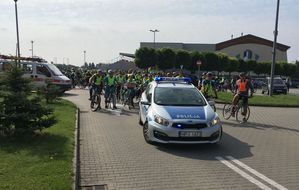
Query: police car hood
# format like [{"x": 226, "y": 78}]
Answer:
[{"x": 185, "y": 112}]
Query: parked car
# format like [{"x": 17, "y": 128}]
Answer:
[
  {"x": 279, "y": 86},
  {"x": 295, "y": 83}
]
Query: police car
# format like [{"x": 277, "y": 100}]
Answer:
[{"x": 172, "y": 110}]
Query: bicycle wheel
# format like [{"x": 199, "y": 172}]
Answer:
[
  {"x": 240, "y": 117},
  {"x": 95, "y": 102},
  {"x": 227, "y": 111}
]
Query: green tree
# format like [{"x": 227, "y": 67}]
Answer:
[
  {"x": 223, "y": 62},
  {"x": 145, "y": 58},
  {"x": 243, "y": 67},
  {"x": 166, "y": 58},
  {"x": 195, "y": 57},
  {"x": 183, "y": 58},
  {"x": 211, "y": 61},
  {"x": 20, "y": 110},
  {"x": 233, "y": 65}
]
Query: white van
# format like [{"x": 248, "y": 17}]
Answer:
[{"x": 40, "y": 71}]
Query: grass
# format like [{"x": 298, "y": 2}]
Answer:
[
  {"x": 256, "y": 100},
  {"x": 43, "y": 161}
]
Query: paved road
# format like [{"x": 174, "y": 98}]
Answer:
[{"x": 113, "y": 152}]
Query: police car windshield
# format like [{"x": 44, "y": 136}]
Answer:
[{"x": 178, "y": 97}]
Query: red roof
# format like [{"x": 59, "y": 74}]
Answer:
[{"x": 250, "y": 39}]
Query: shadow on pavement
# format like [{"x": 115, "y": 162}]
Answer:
[
  {"x": 68, "y": 94},
  {"x": 259, "y": 126},
  {"x": 228, "y": 146}
]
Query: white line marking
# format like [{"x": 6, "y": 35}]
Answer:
[
  {"x": 243, "y": 174},
  {"x": 263, "y": 177}
]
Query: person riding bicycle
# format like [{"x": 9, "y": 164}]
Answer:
[
  {"x": 96, "y": 82},
  {"x": 110, "y": 82},
  {"x": 242, "y": 88},
  {"x": 208, "y": 86}
]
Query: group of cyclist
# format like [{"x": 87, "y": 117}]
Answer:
[{"x": 127, "y": 85}]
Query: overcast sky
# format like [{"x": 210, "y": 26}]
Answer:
[{"x": 65, "y": 28}]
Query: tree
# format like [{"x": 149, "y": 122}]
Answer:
[
  {"x": 243, "y": 67},
  {"x": 145, "y": 58},
  {"x": 166, "y": 59},
  {"x": 211, "y": 61},
  {"x": 222, "y": 63},
  {"x": 195, "y": 57},
  {"x": 20, "y": 110},
  {"x": 233, "y": 65},
  {"x": 183, "y": 58}
]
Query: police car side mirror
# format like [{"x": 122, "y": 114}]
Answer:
[{"x": 146, "y": 103}]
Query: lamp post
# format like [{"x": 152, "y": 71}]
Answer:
[
  {"x": 274, "y": 50},
  {"x": 32, "y": 48},
  {"x": 154, "y": 31},
  {"x": 17, "y": 28},
  {"x": 84, "y": 56}
]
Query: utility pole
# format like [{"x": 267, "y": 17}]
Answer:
[
  {"x": 84, "y": 56},
  {"x": 274, "y": 50},
  {"x": 17, "y": 28}
]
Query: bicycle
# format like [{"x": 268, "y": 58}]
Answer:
[
  {"x": 239, "y": 109},
  {"x": 111, "y": 100},
  {"x": 95, "y": 102},
  {"x": 129, "y": 95}
]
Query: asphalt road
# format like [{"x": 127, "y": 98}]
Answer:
[{"x": 263, "y": 154}]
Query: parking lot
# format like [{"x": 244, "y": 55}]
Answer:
[{"x": 262, "y": 154}]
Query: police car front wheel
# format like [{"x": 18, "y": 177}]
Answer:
[{"x": 146, "y": 133}]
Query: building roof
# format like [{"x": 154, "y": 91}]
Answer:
[{"x": 250, "y": 39}]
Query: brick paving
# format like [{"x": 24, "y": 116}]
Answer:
[{"x": 113, "y": 152}]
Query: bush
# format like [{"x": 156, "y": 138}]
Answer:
[
  {"x": 20, "y": 110},
  {"x": 49, "y": 92}
]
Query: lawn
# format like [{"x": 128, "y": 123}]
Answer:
[
  {"x": 43, "y": 161},
  {"x": 275, "y": 100}
]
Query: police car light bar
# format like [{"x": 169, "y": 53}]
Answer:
[{"x": 173, "y": 79}]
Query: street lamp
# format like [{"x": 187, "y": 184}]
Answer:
[
  {"x": 32, "y": 48},
  {"x": 17, "y": 28},
  {"x": 84, "y": 57},
  {"x": 154, "y": 31},
  {"x": 274, "y": 50}
]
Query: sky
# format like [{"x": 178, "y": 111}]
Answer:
[{"x": 63, "y": 29}]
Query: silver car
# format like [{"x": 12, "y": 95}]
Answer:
[{"x": 172, "y": 110}]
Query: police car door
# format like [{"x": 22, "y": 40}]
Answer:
[
  {"x": 42, "y": 74},
  {"x": 147, "y": 97}
]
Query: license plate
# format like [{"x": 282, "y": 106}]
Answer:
[{"x": 190, "y": 134}]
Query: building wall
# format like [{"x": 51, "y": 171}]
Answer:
[{"x": 259, "y": 52}]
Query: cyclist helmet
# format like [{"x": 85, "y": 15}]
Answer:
[
  {"x": 110, "y": 71},
  {"x": 100, "y": 71}
]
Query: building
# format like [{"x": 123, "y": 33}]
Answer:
[{"x": 248, "y": 47}]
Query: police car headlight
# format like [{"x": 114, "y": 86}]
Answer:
[
  {"x": 214, "y": 122},
  {"x": 161, "y": 120}
]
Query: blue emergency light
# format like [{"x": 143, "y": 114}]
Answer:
[{"x": 173, "y": 79}]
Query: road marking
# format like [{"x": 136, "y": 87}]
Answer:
[
  {"x": 243, "y": 174},
  {"x": 256, "y": 173}
]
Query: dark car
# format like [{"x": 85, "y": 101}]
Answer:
[
  {"x": 295, "y": 83},
  {"x": 279, "y": 86}
]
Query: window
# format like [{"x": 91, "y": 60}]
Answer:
[
  {"x": 27, "y": 68},
  {"x": 42, "y": 70},
  {"x": 247, "y": 55}
]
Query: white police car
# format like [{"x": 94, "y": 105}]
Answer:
[{"x": 172, "y": 110}]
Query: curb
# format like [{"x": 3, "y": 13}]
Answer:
[
  {"x": 261, "y": 105},
  {"x": 76, "y": 159}
]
